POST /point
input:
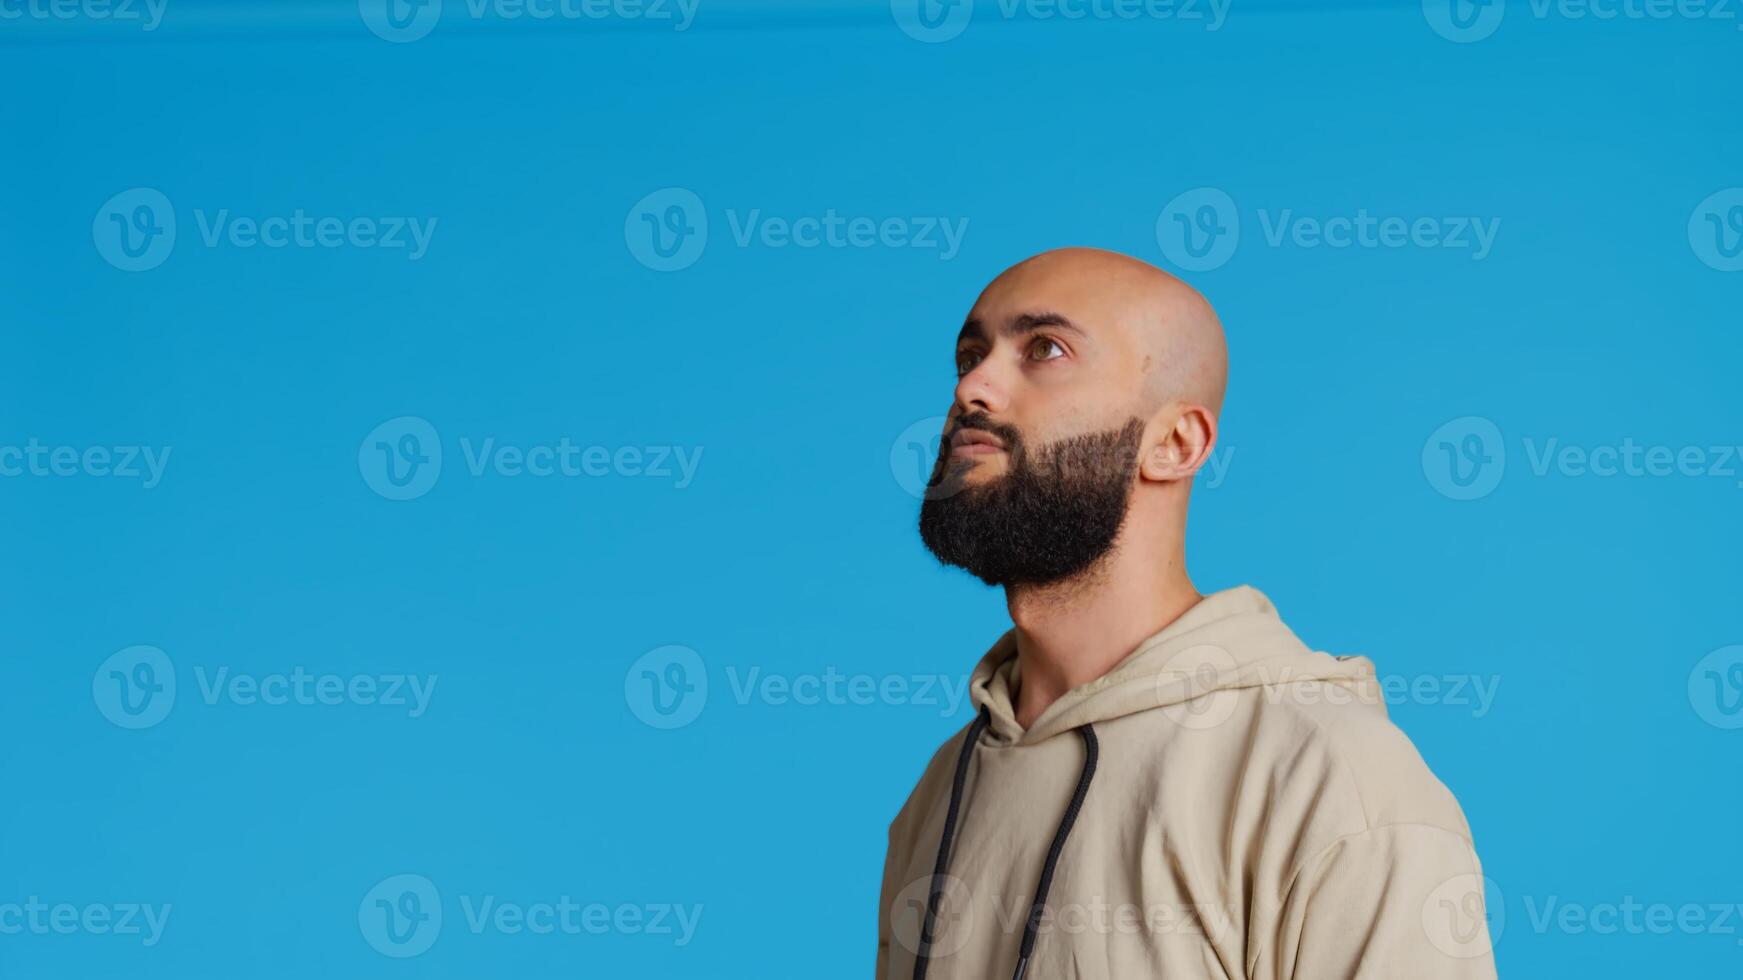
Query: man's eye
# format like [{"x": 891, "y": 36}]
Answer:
[
  {"x": 965, "y": 361},
  {"x": 1045, "y": 349}
]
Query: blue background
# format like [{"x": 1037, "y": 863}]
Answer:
[{"x": 1592, "y": 779}]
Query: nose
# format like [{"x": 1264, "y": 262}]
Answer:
[{"x": 981, "y": 390}]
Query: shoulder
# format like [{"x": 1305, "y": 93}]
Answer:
[
  {"x": 1365, "y": 771},
  {"x": 932, "y": 788}
]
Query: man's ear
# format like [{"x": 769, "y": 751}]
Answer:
[{"x": 1185, "y": 436}]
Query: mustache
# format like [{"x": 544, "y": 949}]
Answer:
[
  {"x": 1010, "y": 435},
  {"x": 942, "y": 468}
]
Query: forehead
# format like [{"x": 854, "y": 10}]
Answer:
[{"x": 1029, "y": 296}]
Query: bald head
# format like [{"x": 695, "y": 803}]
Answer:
[{"x": 1166, "y": 327}]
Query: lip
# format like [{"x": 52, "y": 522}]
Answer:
[{"x": 975, "y": 442}]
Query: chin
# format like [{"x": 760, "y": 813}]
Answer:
[{"x": 978, "y": 469}]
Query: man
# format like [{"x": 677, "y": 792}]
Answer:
[{"x": 1157, "y": 783}]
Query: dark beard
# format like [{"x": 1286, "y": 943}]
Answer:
[{"x": 1052, "y": 516}]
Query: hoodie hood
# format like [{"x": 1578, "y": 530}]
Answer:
[{"x": 1230, "y": 640}]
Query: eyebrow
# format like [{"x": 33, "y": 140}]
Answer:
[{"x": 1022, "y": 323}]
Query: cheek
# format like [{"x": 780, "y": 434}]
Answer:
[
  {"x": 1057, "y": 401},
  {"x": 1071, "y": 418},
  {"x": 1048, "y": 410},
  {"x": 1078, "y": 395}
]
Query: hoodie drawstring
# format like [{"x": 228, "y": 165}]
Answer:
[
  {"x": 935, "y": 890},
  {"x": 1091, "y": 750}
]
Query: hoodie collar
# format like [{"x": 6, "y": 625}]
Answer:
[{"x": 1228, "y": 640}]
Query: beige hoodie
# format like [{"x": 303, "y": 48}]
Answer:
[{"x": 1245, "y": 810}]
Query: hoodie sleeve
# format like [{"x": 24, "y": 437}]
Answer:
[
  {"x": 885, "y": 897},
  {"x": 1403, "y": 900},
  {"x": 884, "y": 912}
]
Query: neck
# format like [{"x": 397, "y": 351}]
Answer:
[{"x": 1070, "y": 633}]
